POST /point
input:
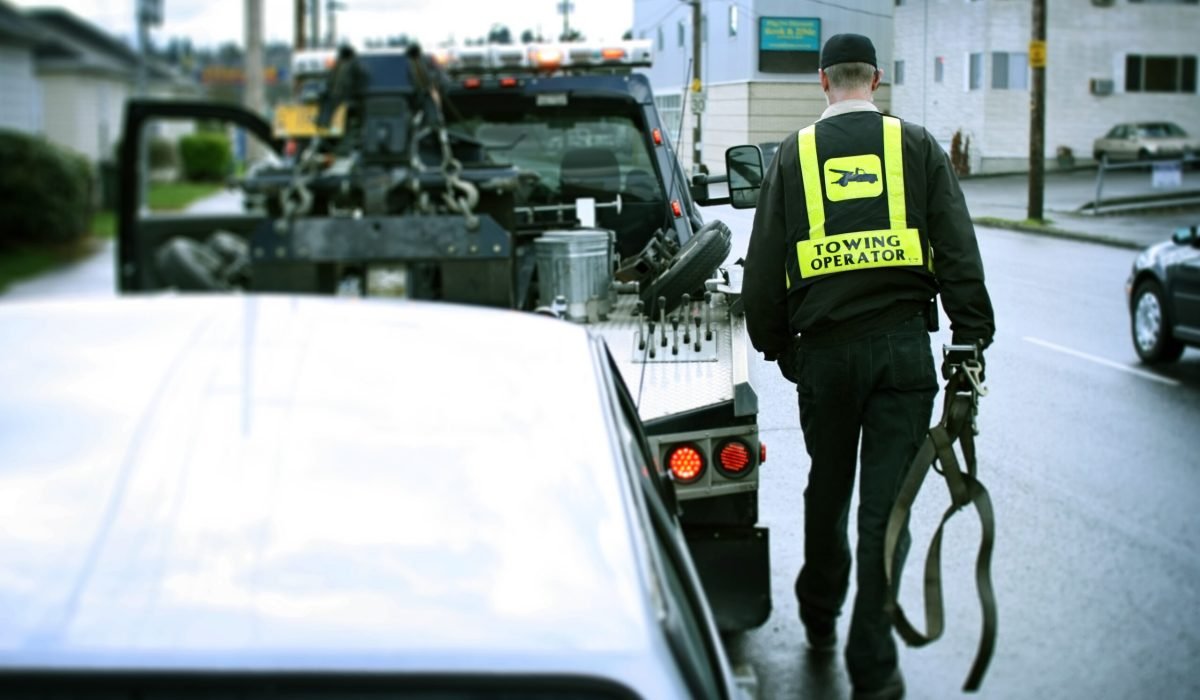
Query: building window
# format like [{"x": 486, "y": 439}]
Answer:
[
  {"x": 682, "y": 33},
  {"x": 1010, "y": 71},
  {"x": 975, "y": 72},
  {"x": 733, "y": 20},
  {"x": 898, "y": 79},
  {"x": 939, "y": 69},
  {"x": 1160, "y": 73}
]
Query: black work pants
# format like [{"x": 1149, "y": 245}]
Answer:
[{"x": 880, "y": 388}]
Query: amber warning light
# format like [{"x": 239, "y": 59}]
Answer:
[{"x": 686, "y": 463}]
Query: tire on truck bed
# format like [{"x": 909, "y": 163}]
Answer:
[{"x": 691, "y": 267}]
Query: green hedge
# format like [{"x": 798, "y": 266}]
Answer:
[
  {"x": 206, "y": 156},
  {"x": 45, "y": 192}
]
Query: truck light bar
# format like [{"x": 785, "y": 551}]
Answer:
[
  {"x": 544, "y": 58},
  {"x": 313, "y": 61}
]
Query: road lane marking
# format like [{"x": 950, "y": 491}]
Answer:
[{"x": 1101, "y": 361}]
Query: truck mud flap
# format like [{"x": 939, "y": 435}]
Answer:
[{"x": 735, "y": 568}]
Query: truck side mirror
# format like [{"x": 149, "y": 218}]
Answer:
[{"x": 745, "y": 167}]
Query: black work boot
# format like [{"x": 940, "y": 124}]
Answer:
[{"x": 892, "y": 688}]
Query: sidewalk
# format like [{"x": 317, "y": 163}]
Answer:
[{"x": 1132, "y": 213}]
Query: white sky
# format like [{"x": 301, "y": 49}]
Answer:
[{"x": 212, "y": 22}]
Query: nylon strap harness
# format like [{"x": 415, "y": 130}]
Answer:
[{"x": 957, "y": 424}]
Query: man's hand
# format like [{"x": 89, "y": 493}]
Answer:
[
  {"x": 787, "y": 367},
  {"x": 952, "y": 359}
]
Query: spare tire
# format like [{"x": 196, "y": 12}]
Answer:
[
  {"x": 690, "y": 268},
  {"x": 189, "y": 266}
]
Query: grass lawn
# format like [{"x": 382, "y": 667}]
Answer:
[
  {"x": 174, "y": 196},
  {"x": 21, "y": 263}
]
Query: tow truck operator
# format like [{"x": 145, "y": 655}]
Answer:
[{"x": 847, "y": 316}]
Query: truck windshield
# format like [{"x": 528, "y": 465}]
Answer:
[{"x": 569, "y": 155}]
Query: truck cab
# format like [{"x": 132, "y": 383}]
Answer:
[{"x": 537, "y": 178}]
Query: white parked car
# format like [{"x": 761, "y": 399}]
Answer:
[
  {"x": 1145, "y": 140},
  {"x": 310, "y": 497}
]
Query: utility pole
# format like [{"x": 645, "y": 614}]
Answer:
[
  {"x": 1037, "y": 112},
  {"x": 332, "y": 7},
  {"x": 253, "y": 93},
  {"x": 314, "y": 16},
  {"x": 253, "y": 96},
  {"x": 298, "y": 42},
  {"x": 149, "y": 13},
  {"x": 697, "y": 86},
  {"x": 564, "y": 9}
]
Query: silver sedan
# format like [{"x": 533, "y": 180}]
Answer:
[{"x": 316, "y": 496}]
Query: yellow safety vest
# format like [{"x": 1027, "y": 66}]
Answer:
[{"x": 857, "y": 177}]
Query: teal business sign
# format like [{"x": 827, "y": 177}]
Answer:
[{"x": 789, "y": 34}]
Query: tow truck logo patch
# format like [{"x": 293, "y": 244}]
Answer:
[{"x": 853, "y": 177}]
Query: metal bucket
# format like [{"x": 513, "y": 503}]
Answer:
[{"x": 576, "y": 265}]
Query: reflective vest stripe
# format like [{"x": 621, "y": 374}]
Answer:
[
  {"x": 861, "y": 250},
  {"x": 893, "y": 162},
  {"x": 810, "y": 173}
]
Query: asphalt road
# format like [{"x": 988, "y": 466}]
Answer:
[{"x": 1092, "y": 464}]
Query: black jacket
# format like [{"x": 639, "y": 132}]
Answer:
[{"x": 852, "y": 304}]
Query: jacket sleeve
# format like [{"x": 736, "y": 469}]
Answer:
[
  {"x": 764, "y": 284},
  {"x": 957, "y": 263}
]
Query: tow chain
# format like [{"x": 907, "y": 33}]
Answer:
[
  {"x": 460, "y": 196},
  {"x": 296, "y": 199},
  {"x": 958, "y": 423}
]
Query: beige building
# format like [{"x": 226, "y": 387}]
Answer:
[
  {"x": 758, "y": 64},
  {"x": 20, "y": 108},
  {"x": 85, "y": 76},
  {"x": 964, "y": 67},
  {"x": 956, "y": 66}
]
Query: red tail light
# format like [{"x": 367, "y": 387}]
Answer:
[
  {"x": 472, "y": 83},
  {"x": 676, "y": 209},
  {"x": 508, "y": 82},
  {"x": 686, "y": 463},
  {"x": 657, "y": 137},
  {"x": 735, "y": 458},
  {"x": 762, "y": 452}
]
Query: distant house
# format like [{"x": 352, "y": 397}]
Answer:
[
  {"x": 20, "y": 105},
  {"x": 85, "y": 77}
]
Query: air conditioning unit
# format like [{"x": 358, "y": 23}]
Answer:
[
  {"x": 1100, "y": 86},
  {"x": 1103, "y": 3}
]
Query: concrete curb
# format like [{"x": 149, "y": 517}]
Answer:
[{"x": 1024, "y": 227}]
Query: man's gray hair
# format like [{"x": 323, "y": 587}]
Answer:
[{"x": 850, "y": 76}]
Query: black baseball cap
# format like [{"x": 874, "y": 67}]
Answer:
[{"x": 848, "y": 48}]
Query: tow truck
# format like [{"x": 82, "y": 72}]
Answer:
[{"x": 538, "y": 178}]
